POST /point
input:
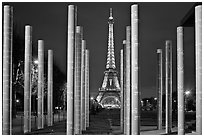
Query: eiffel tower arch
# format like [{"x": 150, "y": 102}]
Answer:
[{"x": 109, "y": 93}]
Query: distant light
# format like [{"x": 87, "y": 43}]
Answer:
[
  {"x": 155, "y": 98},
  {"x": 147, "y": 100},
  {"x": 92, "y": 98},
  {"x": 141, "y": 101},
  {"x": 174, "y": 100},
  {"x": 36, "y": 61},
  {"x": 188, "y": 92},
  {"x": 56, "y": 107},
  {"x": 17, "y": 100}
]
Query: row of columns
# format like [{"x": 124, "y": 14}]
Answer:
[
  {"x": 130, "y": 82},
  {"x": 7, "y": 77},
  {"x": 180, "y": 73},
  {"x": 180, "y": 79},
  {"x": 168, "y": 87},
  {"x": 129, "y": 76},
  {"x": 77, "y": 77},
  {"x": 7, "y": 62},
  {"x": 27, "y": 83}
]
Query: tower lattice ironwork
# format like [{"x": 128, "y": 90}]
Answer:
[{"x": 109, "y": 93}]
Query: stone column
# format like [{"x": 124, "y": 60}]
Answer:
[
  {"x": 180, "y": 81},
  {"x": 168, "y": 86},
  {"x": 135, "y": 95},
  {"x": 128, "y": 79},
  {"x": 11, "y": 72},
  {"x": 198, "y": 50},
  {"x": 121, "y": 91},
  {"x": 159, "y": 88},
  {"x": 87, "y": 87},
  {"x": 40, "y": 83},
  {"x": 83, "y": 126},
  {"x": 72, "y": 13},
  {"x": 124, "y": 88},
  {"x": 27, "y": 79},
  {"x": 77, "y": 81},
  {"x": 50, "y": 89},
  {"x": 7, "y": 69}
]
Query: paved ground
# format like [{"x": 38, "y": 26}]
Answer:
[
  {"x": 59, "y": 128},
  {"x": 17, "y": 123},
  {"x": 107, "y": 122},
  {"x": 102, "y": 123}
]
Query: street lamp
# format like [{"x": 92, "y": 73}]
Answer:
[
  {"x": 188, "y": 92},
  {"x": 142, "y": 103},
  {"x": 36, "y": 61}
]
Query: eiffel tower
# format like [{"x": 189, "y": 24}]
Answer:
[{"x": 109, "y": 93}]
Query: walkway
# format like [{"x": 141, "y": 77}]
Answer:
[
  {"x": 107, "y": 122},
  {"x": 103, "y": 122}
]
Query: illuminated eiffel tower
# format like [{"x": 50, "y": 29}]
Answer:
[{"x": 109, "y": 93}]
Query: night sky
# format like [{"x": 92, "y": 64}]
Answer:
[{"x": 157, "y": 23}]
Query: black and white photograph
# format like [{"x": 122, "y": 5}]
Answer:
[{"x": 101, "y": 68}]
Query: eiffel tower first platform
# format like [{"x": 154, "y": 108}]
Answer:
[{"x": 109, "y": 93}]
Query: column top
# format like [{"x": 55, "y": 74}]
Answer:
[
  {"x": 124, "y": 41},
  {"x": 79, "y": 29},
  {"x": 7, "y": 6},
  {"x": 159, "y": 50},
  {"x": 168, "y": 41},
  {"x": 199, "y": 6},
  {"x": 179, "y": 29}
]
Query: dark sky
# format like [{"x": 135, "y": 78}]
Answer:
[{"x": 157, "y": 23}]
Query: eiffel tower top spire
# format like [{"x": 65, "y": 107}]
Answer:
[{"x": 110, "y": 56}]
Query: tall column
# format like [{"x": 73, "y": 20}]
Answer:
[
  {"x": 50, "y": 89},
  {"x": 198, "y": 49},
  {"x": 159, "y": 88},
  {"x": 40, "y": 83},
  {"x": 124, "y": 87},
  {"x": 121, "y": 91},
  {"x": 87, "y": 87},
  {"x": 128, "y": 78},
  {"x": 77, "y": 81},
  {"x": 180, "y": 81},
  {"x": 11, "y": 72},
  {"x": 7, "y": 69},
  {"x": 168, "y": 86},
  {"x": 135, "y": 95},
  {"x": 83, "y": 126},
  {"x": 72, "y": 16},
  {"x": 27, "y": 79}
]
